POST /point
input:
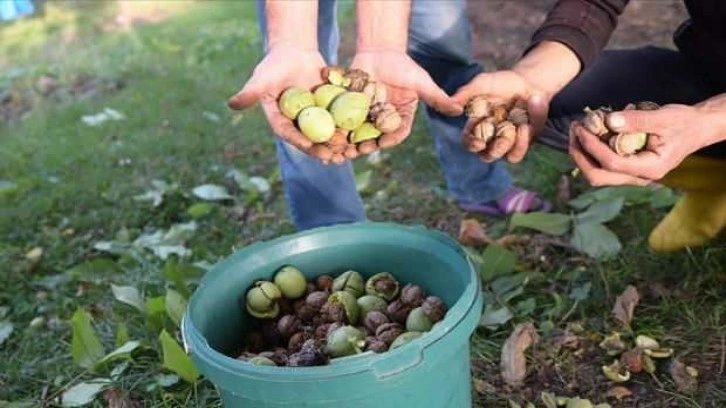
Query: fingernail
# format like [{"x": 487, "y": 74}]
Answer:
[{"x": 616, "y": 120}]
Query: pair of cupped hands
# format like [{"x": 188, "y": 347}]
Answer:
[{"x": 407, "y": 84}]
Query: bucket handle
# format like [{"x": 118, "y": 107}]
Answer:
[{"x": 411, "y": 356}]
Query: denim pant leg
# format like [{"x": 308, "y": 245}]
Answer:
[
  {"x": 440, "y": 42},
  {"x": 317, "y": 194},
  {"x": 619, "y": 77}
]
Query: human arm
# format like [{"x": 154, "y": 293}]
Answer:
[
  {"x": 382, "y": 41},
  {"x": 292, "y": 58},
  {"x": 568, "y": 42},
  {"x": 676, "y": 131}
]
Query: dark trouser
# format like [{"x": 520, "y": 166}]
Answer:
[{"x": 619, "y": 77}]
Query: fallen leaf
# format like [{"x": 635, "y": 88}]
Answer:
[
  {"x": 566, "y": 340},
  {"x": 685, "y": 382},
  {"x": 34, "y": 254},
  {"x": 564, "y": 193},
  {"x": 483, "y": 387},
  {"x": 471, "y": 233},
  {"x": 625, "y": 304},
  {"x": 513, "y": 361},
  {"x": 618, "y": 392},
  {"x": 118, "y": 398},
  {"x": 513, "y": 239}
]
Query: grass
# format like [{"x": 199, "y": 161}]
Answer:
[{"x": 67, "y": 186}]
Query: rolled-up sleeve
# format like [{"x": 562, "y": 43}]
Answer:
[{"x": 585, "y": 26}]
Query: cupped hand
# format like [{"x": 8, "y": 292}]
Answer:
[
  {"x": 505, "y": 87},
  {"x": 282, "y": 67},
  {"x": 675, "y": 131},
  {"x": 406, "y": 83}
]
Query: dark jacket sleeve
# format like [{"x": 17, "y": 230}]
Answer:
[{"x": 585, "y": 26}]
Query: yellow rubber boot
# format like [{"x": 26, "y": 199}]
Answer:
[{"x": 700, "y": 214}]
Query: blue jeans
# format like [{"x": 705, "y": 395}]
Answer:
[{"x": 439, "y": 41}]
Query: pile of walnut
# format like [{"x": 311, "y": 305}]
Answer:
[
  {"x": 298, "y": 323},
  {"x": 624, "y": 144},
  {"x": 496, "y": 120},
  {"x": 348, "y": 109}
]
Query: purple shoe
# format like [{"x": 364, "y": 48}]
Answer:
[{"x": 516, "y": 200}]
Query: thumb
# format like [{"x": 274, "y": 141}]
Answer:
[
  {"x": 247, "y": 97},
  {"x": 465, "y": 93},
  {"x": 435, "y": 97},
  {"x": 633, "y": 121}
]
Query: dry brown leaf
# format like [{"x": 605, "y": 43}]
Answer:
[
  {"x": 685, "y": 382},
  {"x": 118, "y": 398},
  {"x": 618, "y": 392},
  {"x": 625, "y": 304},
  {"x": 513, "y": 239},
  {"x": 483, "y": 387},
  {"x": 513, "y": 361},
  {"x": 471, "y": 233},
  {"x": 564, "y": 190}
]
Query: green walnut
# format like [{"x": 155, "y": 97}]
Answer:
[
  {"x": 350, "y": 305},
  {"x": 382, "y": 284},
  {"x": 326, "y": 93},
  {"x": 291, "y": 282},
  {"x": 261, "y": 360},
  {"x": 350, "y": 109},
  {"x": 350, "y": 281},
  {"x": 345, "y": 341},
  {"x": 293, "y": 100},
  {"x": 366, "y": 131},
  {"x": 316, "y": 124},
  {"x": 404, "y": 338},
  {"x": 261, "y": 297},
  {"x": 417, "y": 321},
  {"x": 369, "y": 303}
]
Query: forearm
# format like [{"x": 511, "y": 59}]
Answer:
[
  {"x": 549, "y": 66},
  {"x": 293, "y": 23},
  {"x": 382, "y": 24},
  {"x": 714, "y": 115},
  {"x": 585, "y": 26}
]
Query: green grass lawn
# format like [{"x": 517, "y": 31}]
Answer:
[{"x": 66, "y": 186}]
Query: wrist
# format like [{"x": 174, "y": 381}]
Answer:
[
  {"x": 382, "y": 25},
  {"x": 549, "y": 67},
  {"x": 712, "y": 113},
  {"x": 292, "y": 24}
]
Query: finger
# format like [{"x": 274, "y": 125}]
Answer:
[
  {"x": 351, "y": 152},
  {"x": 500, "y": 147},
  {"x": 521, "y": 144},
  {"x": 284, "y": 127},
  {"x": 322, "y": 152},
  {"x": 594, "y": 146},
  {"x": 597, "y": 176},
  {"x": 338, "y": 159},
  {"x": 463, "y": 95},
  {"x": 408, "y": 113},
  {"x": 436, "y": 98},
  {"x": 537, "y": 108},
  {"x": 368, "y": 147},
  {"x": 638, "y": 121},
  {"x": 249, "y": 95},
  {"x": 645, "y": 164},
  {"x": 474, "y": 145}
]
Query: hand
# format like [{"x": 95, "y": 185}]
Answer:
[
  {"x": 675, "y": 131},
  {"x": 503, "y": 87},
  {"x": 406, "y": 82},
  {"x": 282, "y": 67}
]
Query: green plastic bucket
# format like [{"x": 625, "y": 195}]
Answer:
[{"x": 431, "y": 371}]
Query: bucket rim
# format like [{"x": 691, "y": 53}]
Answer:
[{"x": 197, "y": 345}]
